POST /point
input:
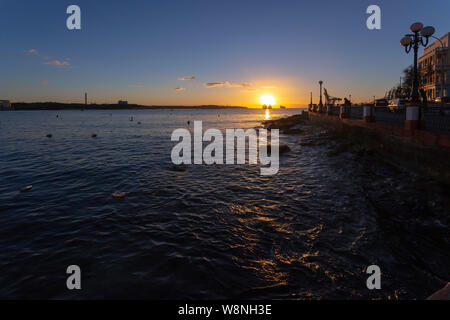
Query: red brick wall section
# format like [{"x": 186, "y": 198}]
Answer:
[
  {"x": 369, "y": 119},
  {"x": 423, "y": 136}
]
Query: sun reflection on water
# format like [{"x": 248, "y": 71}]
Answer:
[{"x": 267, "y": 116}]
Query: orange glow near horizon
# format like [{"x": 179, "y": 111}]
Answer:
[{"x": 274, "y": 90}]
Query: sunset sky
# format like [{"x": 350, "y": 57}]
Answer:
[{"x": 215, "y": 52}]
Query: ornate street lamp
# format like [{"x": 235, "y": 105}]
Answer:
[
  {"x": 412, "y": 41},
  {"x": 320, "y": 102}
]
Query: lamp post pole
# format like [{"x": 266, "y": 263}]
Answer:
[
  {"x": 320, "y": 101},
  {"x": 415, "y": 91}
]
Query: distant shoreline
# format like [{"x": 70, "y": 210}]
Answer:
[{"x": 19, "y": 106}]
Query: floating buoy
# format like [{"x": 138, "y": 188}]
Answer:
[
  {"x": 139, "y": 122},
  {"x": 27, "y": 188},
  {"x": 119, "y": 195},
  {"x": 188, "y": 122},
  {"x": 94, "y": 135},
  {"x": 49, "y": 135}
]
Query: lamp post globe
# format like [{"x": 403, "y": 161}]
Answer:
[
  {"x": 406, "y": 41},
  {"x": 416, "y": 27},
  {"x": 427, "y": 31}
]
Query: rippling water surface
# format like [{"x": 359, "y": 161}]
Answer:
[{"x": 210, "y": 231}]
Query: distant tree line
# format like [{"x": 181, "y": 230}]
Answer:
[{"x": 94, "y": 106}]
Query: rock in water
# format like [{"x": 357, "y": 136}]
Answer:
[
  {"x": 178, "y": 168},
  {"x": 27, "y": 188},
  {"x": 284, "y": 148},
  {"x": 119, "y": 195}
]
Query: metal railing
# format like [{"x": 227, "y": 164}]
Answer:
[
  {"x": 435, "y": 119},
  {"x": 356, "y": 113},
  {"x": 335, "y": 111},
  {"x": 393, "y": 118}
]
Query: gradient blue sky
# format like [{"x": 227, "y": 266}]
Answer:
[{"x": 137, "y": 50}]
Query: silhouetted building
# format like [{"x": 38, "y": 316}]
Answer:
[
  {"x": 6, "y": 104},
  {"x": 122, "y": 102}
]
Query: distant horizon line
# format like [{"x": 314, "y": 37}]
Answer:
[{"x": 130, "y": 105}]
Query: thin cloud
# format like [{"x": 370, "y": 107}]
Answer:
[
  {"x": 32, "y": 51},
  {"x": 269, "y": 87},
  {"x": 44, "y": 83},
  {"x": 187, "y": 78},
  {"x": 57, "y": 63},
  {"x": 136, "y": 86},
  {"x": 180, "y": 89},
  {"x": 216, "y": 84},
  {"x": 240, "y": 85},
  {"x": 227, "y": 84}
]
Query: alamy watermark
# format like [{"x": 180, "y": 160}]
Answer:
[
  {"x": 259, "y": 149},
  {"x": 73, "y": 22},
  {"x": 373, "y": 22},
  {"x": 74, "y": 280},
  {"x": 374, "y": 281}
]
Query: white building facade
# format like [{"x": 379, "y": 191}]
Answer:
[{"x": 434, "y": 68}]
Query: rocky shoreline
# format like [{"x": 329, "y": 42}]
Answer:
[
  {"x": 404, "y": 182},
  {"x": 340, "y": 137}
]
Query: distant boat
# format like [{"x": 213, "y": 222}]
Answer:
[{"x": 282, "y": 107}]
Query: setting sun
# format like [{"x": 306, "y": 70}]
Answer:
[{"x": 267, "y": 100}]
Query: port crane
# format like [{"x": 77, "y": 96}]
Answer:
[{"x": 329, "y": 100}]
